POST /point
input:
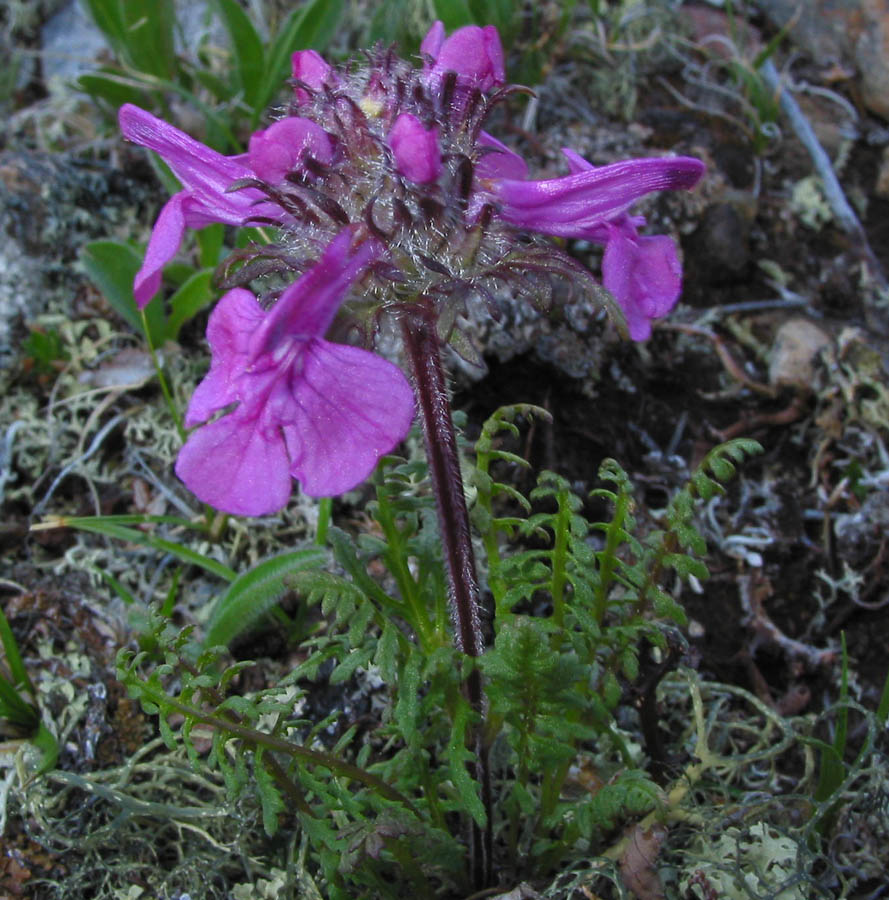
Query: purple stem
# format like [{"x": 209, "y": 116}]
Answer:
[{"x": 423, "y": 348}]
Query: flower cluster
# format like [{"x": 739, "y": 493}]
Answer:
[{"x": 380, "y": 183}]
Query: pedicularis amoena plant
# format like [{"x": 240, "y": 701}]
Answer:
[{"x": 386, "y": 197}]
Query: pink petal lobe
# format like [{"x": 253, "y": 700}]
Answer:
[
  {"x": 281, "y": 148},
  {"x": 352, "y": 407},
  {"x": 312, "y": 69},
  {"x": 237, "y": 466},
  {"x": 415, "y": 148},
  {"x": 435, "y": 37},
  {"x": 644, "y": 275},
  {"x": 236, "y": 316},
  {"x": 197, "y": 166},
  {"x": 500, "y": 161},
  {"x": 309, "y": 305},
  {"x": 475, "y": 54},
  {"x": 163, "y": 245}
]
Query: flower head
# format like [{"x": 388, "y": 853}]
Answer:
[{"x": 381, "y": 173}]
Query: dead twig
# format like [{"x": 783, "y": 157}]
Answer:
[
  {"x": 753, "y": 590},
  {"x": 833, "y": 191}
]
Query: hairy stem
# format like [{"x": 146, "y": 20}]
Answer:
[
  {"x": 422, "y": 344},
  {"x": 423, "y": 348}
]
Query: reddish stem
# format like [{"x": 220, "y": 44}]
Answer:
[{"x": 423, "y": 348}]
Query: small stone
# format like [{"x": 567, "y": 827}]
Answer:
[
  {"x": 830, "y": 31},
  {"x": 795, "y": 352},
  {"x": 881, "y": 189}
]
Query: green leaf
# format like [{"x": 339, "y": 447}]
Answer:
[
  {"x": 249, "y": 52},
  {"x": 15, "y": 709},
  {"x": 112, "y": 266},
  {"x": 14, "y": 661},
  {"x": 107, "y": 85},
  {"x": 272, "y": 801},
  {"x": 116, "y": 586},
  {"x": 312, "y": 26},
  {"x": 110, "y": 528},
  {"x": 188, "y": 301},
  {"x": 458, "y": 756},
  {"x": 148, "y": 39},
  {"x": 48, "y": 746},
  {"x": 387, "y": 648},
  {"x": 108, "y": 16},
  {"x": 407, "y": 708},
  {"x": 253, "y": 594},
  {"x": 454, "y": 13},
  {"x": 883, "y": 708},
  {"x": 356, "y": 659},
  {"x": 210, "y": 242}
]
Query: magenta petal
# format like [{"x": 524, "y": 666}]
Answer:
[
  {"x": 281, "y": 148},
  {"x": 500, "y": 161},
  {"x": 163, "y": 245},
  {"x": 435, "y": 37},
  {"x": 415, "y": 148},
  {"x": 474, "y": 53},
  {"x": 312, "y": 69},
  {"x": 352, "y": 407},
  {"x": 309, "y": 305},
  {"x": 574, "y": 204},
  {"x": 237, "y": 466},
  {"x": 236, "y": 317},
  {"x": 204, "y": 173},
  {"x": 645, "y": 277}
]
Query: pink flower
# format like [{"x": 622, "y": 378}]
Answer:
[
  {"x": 475, "y": 54},
  {"x": 283, "y": 147},
  {"x": 309, "y": 67},
  {"x": 305, "y": 408},
  {"x": 643, "y": 273},
  {"x": 206, "y": 177},
  {"x": 415, "y": 148}
]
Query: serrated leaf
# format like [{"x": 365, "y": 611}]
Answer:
[
  {"x": 386, "y": 653},
  {"x": 252, "y": 594},
  {"x": 407, "y": 708},
  {"x": 272, "y": 801},
  {"x": 354, "y": 660},
  {"x": 458, "y": 757}
]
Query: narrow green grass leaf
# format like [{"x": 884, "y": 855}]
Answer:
[
  {"x": 14, "y": 661},
  {"x": 312, "y": 26},
  {"x": 46, "y": 743},
  {"x": 148, "y": 36},
  {"x": 254, "y": 593},
  {"x": 104, "y": 525},
  {"x": 249, "y": 52}
]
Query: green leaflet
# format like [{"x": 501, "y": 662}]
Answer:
[{"x": 254, "y": 593}]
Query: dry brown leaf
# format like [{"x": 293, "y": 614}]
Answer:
[{"x": 637, "y": 865}]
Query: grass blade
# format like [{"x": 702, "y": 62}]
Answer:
[{"x": 107, "y": 526}]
